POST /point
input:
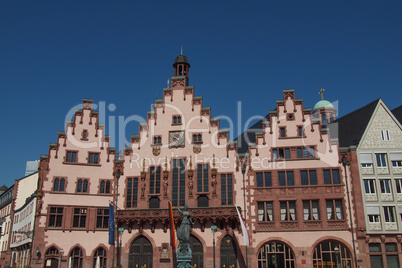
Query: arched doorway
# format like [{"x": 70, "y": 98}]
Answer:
[
  {"x": 141, "y": 253},
  {"x": 228, "y": 252},
  {"x": 276, "y": 255},
  {"x": 198, "y": 252},
  {"x": 52, "y": 258},
  {"x": 331, "y": 254}
]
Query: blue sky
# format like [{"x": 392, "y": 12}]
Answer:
[{"x": 55, "y": 53}]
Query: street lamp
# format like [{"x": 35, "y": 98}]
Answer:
[
  {"x": 336, "y": 249},
  {"x": 243, "y": 171},
  {"x": 38, "y": 253},
  {"x": 213, "y": 229},
  {"x": 121, "y": 230},
  {"x": 345, "y": 163},
  {"x": 60, "y": 257}
]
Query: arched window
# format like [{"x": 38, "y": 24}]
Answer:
[
  {"x": 56, "y": 185},
  {"x": 76, "y": 258},
  {"x": 102, "y": 187},
  {"x": 82, "y": 186},
  {"x": 100, "y": 258},
  {"x": 324, "y": 119},
  {"x": 108, "y": 187},
  {"x": 79, "y": 186},
  {"x": 276, "y": 254},
  {"x": 331, "y": 254}
]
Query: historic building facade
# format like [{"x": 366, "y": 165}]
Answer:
[
  {"x": 6, "y": 200},
  {"x": 286, "y": 177},
  {"x": 371, "y": 141},
  {"x": 23, "y": 213},
  {"x": 74, "y": 190}
]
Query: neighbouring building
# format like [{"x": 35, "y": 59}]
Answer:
[
  {"x": 22, "y": 230},
  {"x": 6, "y": 200},
  {"x": 31, "y": 167},
  {"x": 371, "y": 141}
]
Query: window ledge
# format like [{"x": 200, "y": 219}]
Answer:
[{"x": 81, "y": 164}]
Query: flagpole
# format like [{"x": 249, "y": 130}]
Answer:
[{"x": 243, "y": 171}]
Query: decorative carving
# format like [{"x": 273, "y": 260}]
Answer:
[
  {"x": 214, "y": 123},
  {"x": 197, "y": 148},
  {"x": 156, "y": 150},
  {"x": 188, "y": 90},
  {"x": 337, "y": 224}
]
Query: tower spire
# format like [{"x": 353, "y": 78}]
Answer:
[
  {"x": 181, "y": 50},
  {"x": 322, "y": 93}
]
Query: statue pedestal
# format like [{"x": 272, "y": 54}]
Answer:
[{"x": 184, "y": 256}]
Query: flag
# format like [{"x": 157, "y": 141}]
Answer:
[
  {"x": 111, "y": 224},
  {"x": 243, "y": 229},
  {"x": 172, "y": 228}
]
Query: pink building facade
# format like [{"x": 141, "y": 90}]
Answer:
[{"x": 287, "y": 182}]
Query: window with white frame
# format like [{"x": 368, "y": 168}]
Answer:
[
  {"x": 366, "y": 160},
  {"x": 288, "y": 210},
  {"x": 396, "y": 159},
  {"x": 385, "y": 135},
  {"x": 381, "y": 160},
  {"x": 398, "y": 186},
  {"x": 265, "y": 211},
  {"x": 334, "y": 209},
  {"x": 389, "y": 214},
  {"x": 311, "y": 210},
  {"x": 369, "y": 186},
  {"x": 385, "y": 186},
  {"x": 400, "y": 212},
  {"x": 373, "y": 213}
]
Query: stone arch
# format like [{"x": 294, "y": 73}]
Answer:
[
  {"x": 140, "y": 252},
  {"x": 332, "y": 253},
  {"x": 197, "y": 250},
  {"x": 52, "y": 254},
  {"x": 277, "y": 254},
  {"x": 101, "y": 252}
]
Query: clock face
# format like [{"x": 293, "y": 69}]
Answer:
[{"x": 177, "y": 138}]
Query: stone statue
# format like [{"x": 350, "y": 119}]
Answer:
[
  {"x": 184, "y": 253},
  {"x": 183, "y": 234}
]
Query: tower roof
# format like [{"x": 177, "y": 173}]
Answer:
[
  {"x": 181, "y": 59},
  {"x": 323, "y": 104}
]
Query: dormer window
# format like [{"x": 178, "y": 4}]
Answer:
[
  {"x": 85, "y": 134},
  {"x": 197, "y": 138},
  {"x": 176, "y": 120},
  {"x": 157, "y": 140}
]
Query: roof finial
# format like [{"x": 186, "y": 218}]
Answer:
[
  {"x": 322, "y": 93},
  {"x": 181, "y": 50}
]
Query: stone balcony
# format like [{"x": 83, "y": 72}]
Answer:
[{"x": 140, "y": 217}]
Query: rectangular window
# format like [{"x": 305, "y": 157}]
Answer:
[
  {"x": 132, "y": 192},
  {"x": 102, "y": 218},
  {"x": 157, "y": 140},
  {"x": 288, "y": 210},
  {"x": 265, "y": 211},
  {"x": 93, "y": 158},
  {"x": 202, "y": 177},
  {"x": 369, "y": 186},
  {"x": 71, "y": 157},
  {"x": 197, "y": 138},
  {"x": 287, "y": 153},
  {"x": 282, "y": 132},
  {"x": 55, "y": 217},
  {"x": 331, "y": 176},
  {"x": 179, "y": 179},
  {"x": 155, "y": 180},
  {"x": 398, "y": 186},
  {"x": 374, "y": 218},
  {"x": 308, "y": 177},
  {"x": 396, "y": 159},
  {"x": 366, "y": 159},
  {"x": 226, "y": 189},
  {"x": 104, "y": 187},
  {"x": 299, "y": 153},
  {"x": 389, "y": 214},
  {"x": 381, "y": 160},
  {"x": 300, "y": 131},
  {"x": 385, "y": 135},
  {"x": 334, "y": 209},
  {"x": 286, "y": 178},
  {"x": 80, "y": 217},
  {"x": 58, "y": 184},
  {"x": 385, "y": 186},
  {"x": 311, "y": 210}
]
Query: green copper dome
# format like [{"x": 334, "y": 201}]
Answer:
[{"x": 323, "y": 104}]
